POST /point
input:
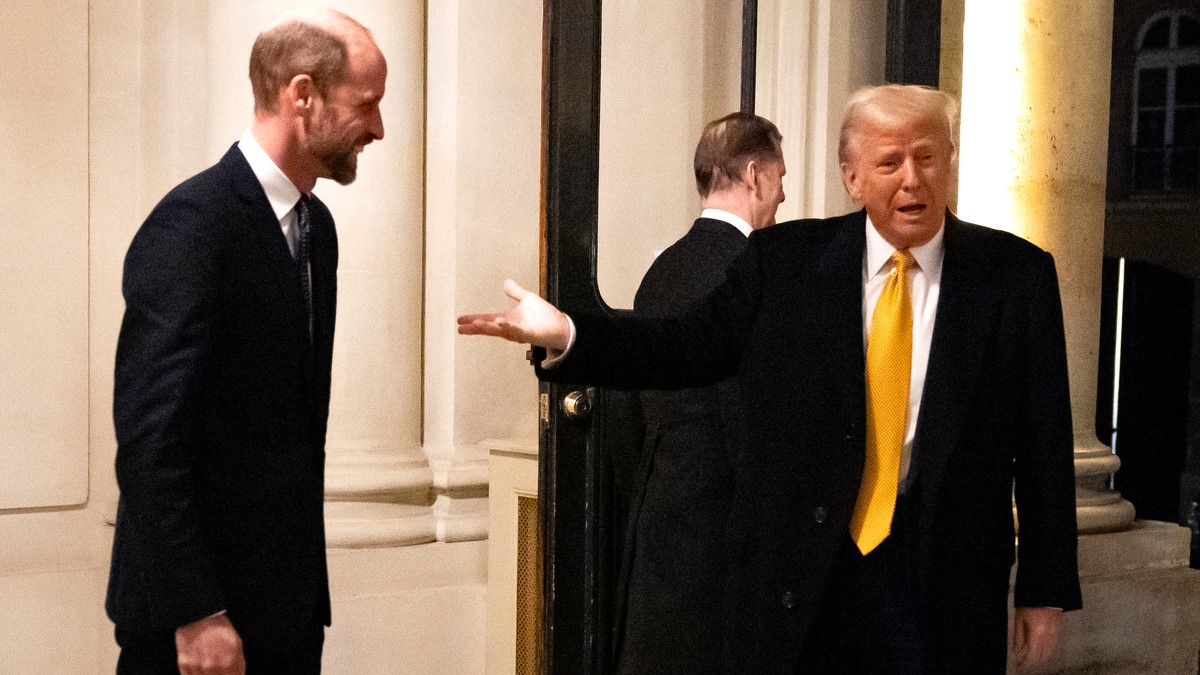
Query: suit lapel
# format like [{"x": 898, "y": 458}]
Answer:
[
  {"x": 260, "y": 217},
  {"x": 955, "y": 352},
  {"x": 840, "y": 268},
  {"x": 324, "y": 270},
  {"x": 258, "y": 209}
]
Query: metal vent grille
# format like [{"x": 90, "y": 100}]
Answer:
[{"x": 529, "y": 587}]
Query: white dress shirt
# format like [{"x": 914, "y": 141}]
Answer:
[
  {"x": 731, "y": 218},
  {"x": 281, "y": 193},
  {"x": 924, "y": 283}
]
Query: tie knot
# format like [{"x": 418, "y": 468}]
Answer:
[{"x": 903, "y": 260}]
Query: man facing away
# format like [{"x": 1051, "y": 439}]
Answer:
[
  {"x": 674, "y": 571},
  {"x": 900, "y": 369},
  {"x": 222, "y": 374}
]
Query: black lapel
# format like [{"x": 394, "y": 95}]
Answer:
[
  {"x": 261, "y": 218},
  {"x": 258, "y": 209},
  {"x": 324, "y": 269},
  {"x": 963, "y": 313},
  {"x": 840, "y": 270}
]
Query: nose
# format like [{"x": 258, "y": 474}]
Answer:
[
  {"x": 909, "y": 173},
  {"x": 375, "y": 125}
]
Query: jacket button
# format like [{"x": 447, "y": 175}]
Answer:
[
  {"x": 788, "y": 600},
  {"x": 820, "y": 515}
]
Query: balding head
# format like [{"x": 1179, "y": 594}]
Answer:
[
  {"x": 728, "y": 144},
  {"x": 313, "y": 42}
]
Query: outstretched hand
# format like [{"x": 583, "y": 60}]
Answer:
[{"x": 532, "y": 320}]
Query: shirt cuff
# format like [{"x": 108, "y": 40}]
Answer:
[{"x": 554, "y": 356}]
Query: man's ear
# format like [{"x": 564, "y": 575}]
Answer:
[
  {"x": 750, "y": 176},
  {"x": 299, "y": 94},
  {"x": 850, "y": 180}
]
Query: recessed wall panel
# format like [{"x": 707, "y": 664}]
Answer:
[{"x": 43, "y": 253}]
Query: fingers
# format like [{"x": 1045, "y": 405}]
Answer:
[
  {"x": 210, "y": 646},
  {"x": 483, "y": 324},
  {"x": 1017, "y": 642},
  {"x": 513, "y": 290},
  {"x": 532, "y": 320},
  {"x": 1041, "y": 646},
  {"x": 213, "y": 664},
  {"x": 470, "y": 319},
  {"x": 1036, "y": 635}
]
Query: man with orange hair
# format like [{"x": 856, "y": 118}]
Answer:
[{"x": 900, "y": 370}]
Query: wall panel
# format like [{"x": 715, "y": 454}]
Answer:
[{"x": 43, "y": 253}]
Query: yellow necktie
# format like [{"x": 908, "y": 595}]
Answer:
[{"x": 889, "y": 369}]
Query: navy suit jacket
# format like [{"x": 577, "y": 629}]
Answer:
[
  {"x": 220, "y": 406},
  {"x": 788, "y": 320}
]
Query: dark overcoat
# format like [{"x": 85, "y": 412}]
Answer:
[
  {"x": 788, "y": 321},
  {"x": 672, "y": 579}
]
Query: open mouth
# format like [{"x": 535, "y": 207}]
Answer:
[{"x": 912, "y": 208}]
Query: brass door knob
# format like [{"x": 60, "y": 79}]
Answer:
[{"x": 577, "y": 405}]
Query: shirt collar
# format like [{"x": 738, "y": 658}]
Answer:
[
  {"x": 928, "y": 255},
  {"x": 725, "y": 216},
  {"x": 281, "y": 193}
]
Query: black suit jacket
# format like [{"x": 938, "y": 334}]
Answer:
[
  {"x": 220, "y": 407},
  {"x": 672, "y": 577},
  {"x": 995, "y": 408}
]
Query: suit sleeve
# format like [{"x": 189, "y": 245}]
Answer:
[
  {"x": 699, "y": 348},
  {"x": 1047, "y": 569},
  {"x": 165, "y": 340}
]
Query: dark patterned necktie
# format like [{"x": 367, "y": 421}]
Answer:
[{"x": 304, "y": 222}]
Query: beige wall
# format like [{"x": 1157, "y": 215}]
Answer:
[
  {"x": 651, "y": 116},
  {"x": 811, "y": 55},
  {"x": 109, "y": 103},
  {"x": 43, "y": 408}
]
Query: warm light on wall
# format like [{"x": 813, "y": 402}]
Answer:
[{"x": 993, "y": 141}]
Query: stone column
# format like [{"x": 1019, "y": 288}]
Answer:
[
  {"x": 378, "y": 487},
  {"x": 1034, "y": 157},
  {"x": 482, "y": 195}
]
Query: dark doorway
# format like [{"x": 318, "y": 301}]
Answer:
[{"x": 1153, "y": 224}]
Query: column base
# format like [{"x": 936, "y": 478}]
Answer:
[
  {"x": 375, "y": 525},
  {"x": 375, "y": 500},
  {"x": 1139, "y": 600},
  {"x": 1098, "y": 508},
  {"x": 461, "y": 507}
]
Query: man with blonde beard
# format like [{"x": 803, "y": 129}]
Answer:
[{"x": 222, "y": 374}]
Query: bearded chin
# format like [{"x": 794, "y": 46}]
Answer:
[{"x": 342, "y": 165}]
